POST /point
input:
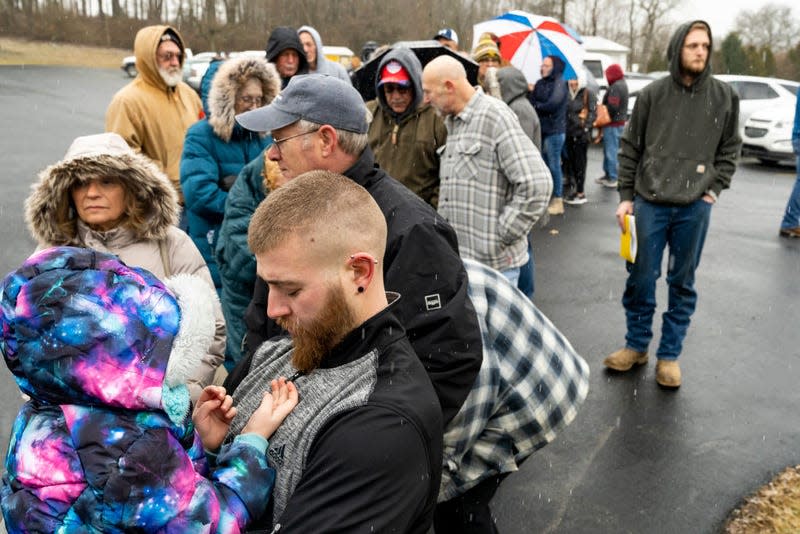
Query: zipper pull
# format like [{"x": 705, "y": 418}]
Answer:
[{"x": 394, "y": 134}]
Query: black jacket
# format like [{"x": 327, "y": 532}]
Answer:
[
  {"x": 422, "y": 264},
  {"x": 369, "y": 401},
  {"x": 549, "y": 98},
  {"x": 577, "y": 128},
  {"x": 616, "y": 98}
]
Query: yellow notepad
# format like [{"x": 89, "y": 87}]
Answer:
[{"x": 627, "y": 241}]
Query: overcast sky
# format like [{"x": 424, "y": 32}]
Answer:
[{"x": 720, "y": 14}]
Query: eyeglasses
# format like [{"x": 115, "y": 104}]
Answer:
[
  {"x": 277, "y": 142},
  {"x": 169, "y": 56},
  {"x": 390, "y": 88},
  {"x": 250, "y": 100}
]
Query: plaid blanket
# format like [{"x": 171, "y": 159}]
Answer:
[{"x": 530, "y": 385}]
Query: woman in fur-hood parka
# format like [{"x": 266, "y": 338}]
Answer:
[
  {"x": 106, "y": 442},
  {"x": 216, "y": 148},
  {"x": 144, "y": 236}
]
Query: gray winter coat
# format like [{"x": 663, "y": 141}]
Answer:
[
  {"x": 514, "y": 88},
  {"x": 324, "y": 65}
]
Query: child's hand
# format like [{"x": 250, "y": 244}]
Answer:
[
  {"x": 274, "y": 408},
  {"x": 212, "y": 416}
]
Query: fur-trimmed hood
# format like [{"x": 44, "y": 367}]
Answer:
[
  {"x": 49, "y": 211},
  {"x": 230, "y": 77}
]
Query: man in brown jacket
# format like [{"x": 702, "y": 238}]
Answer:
[
  {"x": 405, "y": 132},
  {"x": 153, "y": 112}
]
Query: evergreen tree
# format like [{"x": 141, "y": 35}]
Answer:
[{"x": 734, "y": 59}]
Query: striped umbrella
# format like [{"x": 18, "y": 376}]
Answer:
[{"x": 526, "y": 38}]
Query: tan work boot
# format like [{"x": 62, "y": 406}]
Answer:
[
  {"x": 556, "y": 206},
  {"x": 624, "y": 359},
  {"x": 668, "y": 373}
]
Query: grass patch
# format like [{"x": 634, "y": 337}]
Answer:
[
  {"x": 774, "y": 509},
  {"x": 23, "y": 52}
]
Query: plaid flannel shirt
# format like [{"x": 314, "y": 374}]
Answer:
[
  {"x": 530, "y": 385},
  {"x": 494, "y": 184}
]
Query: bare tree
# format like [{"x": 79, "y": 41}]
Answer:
[
  {"x": 772, "y": 26},
  {"x": 653, "y": 11}
]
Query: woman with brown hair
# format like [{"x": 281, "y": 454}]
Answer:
[{"x": 104, "y": 196}]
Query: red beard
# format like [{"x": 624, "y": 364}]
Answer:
[{"x": 313, "y": 340}]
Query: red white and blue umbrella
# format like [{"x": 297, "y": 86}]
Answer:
[{"x": 526, "y": 38}]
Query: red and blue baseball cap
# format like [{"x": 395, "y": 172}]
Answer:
[{"x": 394, "y": 72}]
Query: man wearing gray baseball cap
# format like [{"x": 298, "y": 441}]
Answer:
[
  {"x": 318, "y": 98},
  {"x": 319, "y": 122}
]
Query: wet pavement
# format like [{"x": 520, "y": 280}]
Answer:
[
  {"x": 642, "y": 459},
  {"x": 637, "y": 458}
]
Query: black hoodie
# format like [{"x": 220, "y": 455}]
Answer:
[
  {"x": 286, "y": 38},
  {"x": 549, "y": 98},
  {"x": 681, "y": 141}
]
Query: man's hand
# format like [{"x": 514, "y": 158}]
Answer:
[
  {"x": 212, "y": 416},
  {"x": 625, "y": 208},
  {"x": 708, "y": 198},
  {"x": 274, "y": 408}
]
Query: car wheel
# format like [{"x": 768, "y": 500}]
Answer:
[{"x": 130, "y": 70}]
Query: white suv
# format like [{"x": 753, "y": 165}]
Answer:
[
  {"x": 768, "y": 135},
  {"x": 757, "y": 93}
]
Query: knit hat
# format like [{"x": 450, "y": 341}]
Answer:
[
  {"x": 485, "y": 48},
  {"x": 78, "y": 326}
]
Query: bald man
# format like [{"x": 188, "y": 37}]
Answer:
[
  {"x": 319, "y": 243},
  {"x": 494, "y": 184}
]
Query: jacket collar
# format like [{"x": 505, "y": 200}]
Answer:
[
  {"x": 120, "y": 236},
  {"x": 376, "y": 333},
  {"x": 365, "y": 172},
  {"x": 465, "y": 115}
]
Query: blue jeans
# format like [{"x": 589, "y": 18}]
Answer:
[
  {"x": 512, "y": 275},
  {"x": 683, "y": 229},
  {"x": 611, "y": 135},
  {"x": 526, "y": 274},
  {"x": 791, "y": 218},
  {"x": 551, "y": 152}
]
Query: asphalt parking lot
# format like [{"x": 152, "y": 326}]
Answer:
[{"x": 637, "y": 458}]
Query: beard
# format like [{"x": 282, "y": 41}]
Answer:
[
  {"x": 693, "y": 69},
  {"x": 316, "y": 338},
  {"x": 172, "y": 76}
]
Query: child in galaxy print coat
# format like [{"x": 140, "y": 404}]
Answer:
[{"x": 106, "y": 442}]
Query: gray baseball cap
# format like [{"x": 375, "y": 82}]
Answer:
[{"x": 313, "y": 97}]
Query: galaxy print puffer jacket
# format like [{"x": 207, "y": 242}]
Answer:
[{"x": 106, "y": 442}]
